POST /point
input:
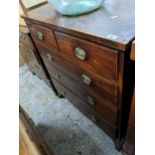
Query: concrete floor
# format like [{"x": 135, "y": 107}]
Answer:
[{"x": 65, "y": 129}]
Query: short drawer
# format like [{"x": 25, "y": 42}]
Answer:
[
  {"x": 101, "y": 105},
  {"x": 43, "y": 36},
  {"x": 90, "y": 56},
  {"x": 97, "y": 84},
  {"x": 88, "y": 112}
]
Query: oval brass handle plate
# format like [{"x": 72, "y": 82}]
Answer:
[
  {"x": 49, "y": 57},
  {"x": 91, "y": 101},
  {"x": 93, "y": 119},
  {"x": 86, "y": 79},
  {"x": 40, "y": 35},
  {"x": 80, "y": 53}
]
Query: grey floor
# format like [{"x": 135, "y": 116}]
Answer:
[{"x": 65, "y": 129}]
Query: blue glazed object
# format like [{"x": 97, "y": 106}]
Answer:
[{"x": 75, "y": 7}]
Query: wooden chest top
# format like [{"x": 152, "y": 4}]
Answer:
[{"x": 112, "y": 25}]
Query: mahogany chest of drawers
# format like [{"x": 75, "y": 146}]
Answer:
[{"x": 87, "y": 58}]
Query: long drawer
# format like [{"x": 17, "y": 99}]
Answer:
[
  {"x": 96, "y": 83},
  {"x": 87, "y": 111},
  {"x": 101, "y": 105},
  {"x": 90, "y": 56}
]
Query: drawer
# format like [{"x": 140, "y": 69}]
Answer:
[
  {"x": 43, "y": 36},
  {"x": 88, "y": 112},
  {"x": 101, "y": 105},
  {"x": 97, "y": 84},
  {"x": 25, "y": 39},
  {"x": 89, "y": 56}
]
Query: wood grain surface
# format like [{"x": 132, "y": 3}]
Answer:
[
  {"x": 100, "y": 60},
  {"x": 111, "y": 25}
]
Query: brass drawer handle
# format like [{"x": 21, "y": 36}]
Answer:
[
  {"x": 86, "y": 79},
  {"x": 93, "y": 119},
  {"x": 91, "y": 101},
  {"x": 49, "y": 57},
  {"x": 80, "y": 53},
  {"x": 40, "y": 35}
]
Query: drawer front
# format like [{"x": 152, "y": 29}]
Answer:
[
  {"x": 43, "y": 36},
  {"x": 103, "y": 106},
  {"x": 97, "y": 84},
  {"x": 88, "y": 112},
  {"x": 25, "y": 39},
  {"x": 92, "y": 57}
]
